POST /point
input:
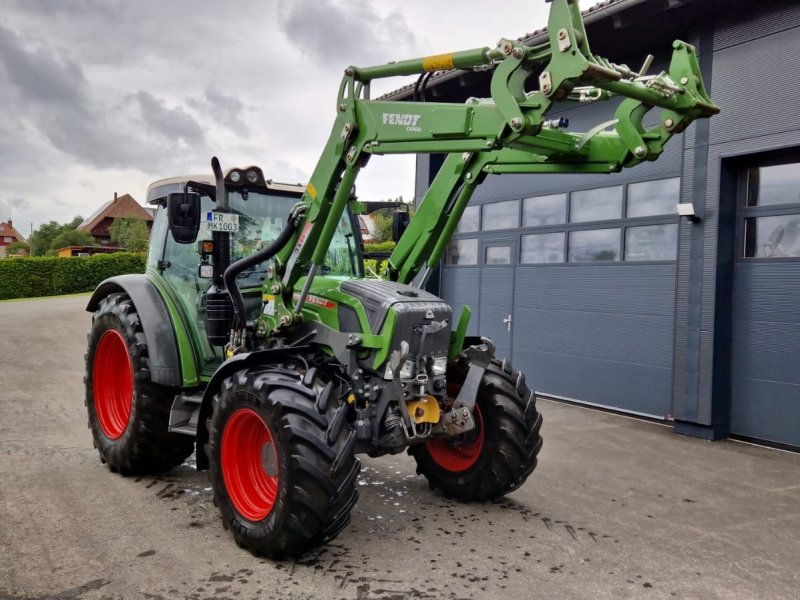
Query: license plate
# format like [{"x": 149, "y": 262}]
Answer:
[{"x": 217, "y": 221}]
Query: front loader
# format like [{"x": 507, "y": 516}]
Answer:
[{"x": 255, "y": 339}]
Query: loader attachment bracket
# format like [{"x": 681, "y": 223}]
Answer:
[{"x": 478, "y": 357}]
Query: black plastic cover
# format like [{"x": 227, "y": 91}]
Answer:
[
  {"x": 219, "y": 314},
  {"x": 183, "y": 213}
]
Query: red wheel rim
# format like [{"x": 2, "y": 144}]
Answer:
[
  {"x": 249, "y": 464},
  {"x": 112, "y": 384},
  {"x": 453, "y": 456}
]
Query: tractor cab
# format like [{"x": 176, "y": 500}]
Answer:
[{"x": 260, "y": 208}]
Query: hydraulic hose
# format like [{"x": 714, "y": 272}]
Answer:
[{"x": 236, "y": 268}]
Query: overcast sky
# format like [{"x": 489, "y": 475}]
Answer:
[{"x": 104, "y": 96}]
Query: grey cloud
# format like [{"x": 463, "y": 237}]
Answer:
[
  {"x": 9, "y": 206},
  {"x": 171, "y": 123},
  {"x": 116, "y": 32},
  {"x": 58, "y": 102},
  {"x": 225, "y": 110},
  {"x": 39, "y": 75},
  {"x": 337, "y": 33}
]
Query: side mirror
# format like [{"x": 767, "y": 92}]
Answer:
[
  {"x": 400, "y": 221},
  {"x": 183, "y": 215}
]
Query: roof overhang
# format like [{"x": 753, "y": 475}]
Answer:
[{"x": 622, "y": 26}]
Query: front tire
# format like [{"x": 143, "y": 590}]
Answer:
[
  {"x": 128, "y": 413},
  {"x": 281, "y": 461},
  {"x": 500, "y": 453}
]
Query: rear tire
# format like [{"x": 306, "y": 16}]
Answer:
[
  {"x": 500, "y": 453},
  {"x": 281, "y": 461},
  {"x": 128, "y": 413}
]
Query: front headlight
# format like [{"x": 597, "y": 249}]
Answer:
[
  {"x": 406, "y": 372},
  {"x": 440, "y": 365}
]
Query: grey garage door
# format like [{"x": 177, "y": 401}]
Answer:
[
  {"x": 577, "y": 289},
  {"x": 766, "y": 324}
]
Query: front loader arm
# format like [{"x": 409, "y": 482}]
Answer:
[{"x": 507, "y": 133}]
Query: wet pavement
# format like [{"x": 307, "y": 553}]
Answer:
[{"x": 618, "y": 508}]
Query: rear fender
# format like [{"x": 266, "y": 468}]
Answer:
[{"x": 162, "y": 348}]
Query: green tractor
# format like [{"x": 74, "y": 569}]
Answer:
[{"x": 255, "y": 339}]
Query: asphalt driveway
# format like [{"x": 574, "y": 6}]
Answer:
[{"x": 618, "y": 508}]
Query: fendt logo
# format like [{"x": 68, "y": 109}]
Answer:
[{"x": 403, "y": 119}]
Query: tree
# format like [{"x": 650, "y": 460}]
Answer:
[
  {"x": 131, "y": 234},
  {"x": 382, "y": 218},
  {"x": 383, "y": 227},
  {"x": 71, "y": 237},
  {"x": 18, "y": 249},
  {"x": 42, "y": 239}
]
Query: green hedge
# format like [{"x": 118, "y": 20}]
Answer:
[
  {"x": 380, "y": 247},
  {"x": 53, "y": 276}
]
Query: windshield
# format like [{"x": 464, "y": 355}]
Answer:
[
  {"x": 261, "y": 219},
  {"x": 262, "y": 216}
]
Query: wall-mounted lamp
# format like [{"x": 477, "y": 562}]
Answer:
[{"x": 686, "y": 209}]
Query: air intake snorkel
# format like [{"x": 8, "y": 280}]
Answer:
[{"x": 218, "y": 302}]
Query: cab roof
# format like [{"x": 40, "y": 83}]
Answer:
[{"x": 291, "y": 188}]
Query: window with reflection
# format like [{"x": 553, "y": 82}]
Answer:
[
  {"x": 600, "y": 204},
  {"x": 462, "y": 252},
  {"x": 498, "y": 255},
  {"x": 501, "y": 215},
  {"x": 593, "y": 245},
  {"x": 542, "y": 248},
  {"x": 652, "y": 242},
  {"x": 772, "y": 237},
  {"x": 649, "y": 198},
  {"x": 769, "y": 186},
  {"x": 470, "y": 220},
  {"x": 544, "y": 210}
]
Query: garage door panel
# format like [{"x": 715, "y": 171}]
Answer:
[
  {"x": 624, "y": 338},
  {"x": 460, "y": 287},
  {"x": 765, "y": 365},
  {"x": 767, "y": 410},
  {"x": 624, "y": 386},
  {"x": 496, "y": 294},
  {"x": 497, "y": 286},
  {"x": 768, "y": 292},
  {"x": 630, "y": 289},
  {"x": 767, "y": 350},
  {"x": 598, "y": 333}
]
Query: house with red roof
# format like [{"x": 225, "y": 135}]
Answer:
[
  {"x": 121, "y": 207},
  {"x": 8, "y": 235}
]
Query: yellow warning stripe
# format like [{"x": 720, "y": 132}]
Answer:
[
  {"x": 312, "y": 191},
  {"x": 438, "y": 62}
]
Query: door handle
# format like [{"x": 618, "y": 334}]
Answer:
[{"x": 507, "y": 320}]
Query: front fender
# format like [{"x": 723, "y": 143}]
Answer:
[{"x": 239, "y": 362}]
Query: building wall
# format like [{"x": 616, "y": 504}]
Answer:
[
  {"x": 673, "y": 338},
  {"x": 752, "y": 79},
  {"x": 596, "y": 332}
]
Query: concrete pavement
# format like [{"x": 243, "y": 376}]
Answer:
[{"x": 618, "y": 508}]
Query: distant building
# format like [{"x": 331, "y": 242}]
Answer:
[
  {"x": 8, "y": 235},
  {"x": 367, "y": 226},
  {"x": 69, "y": 251},
  {"x": 121, "y": 207}
]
